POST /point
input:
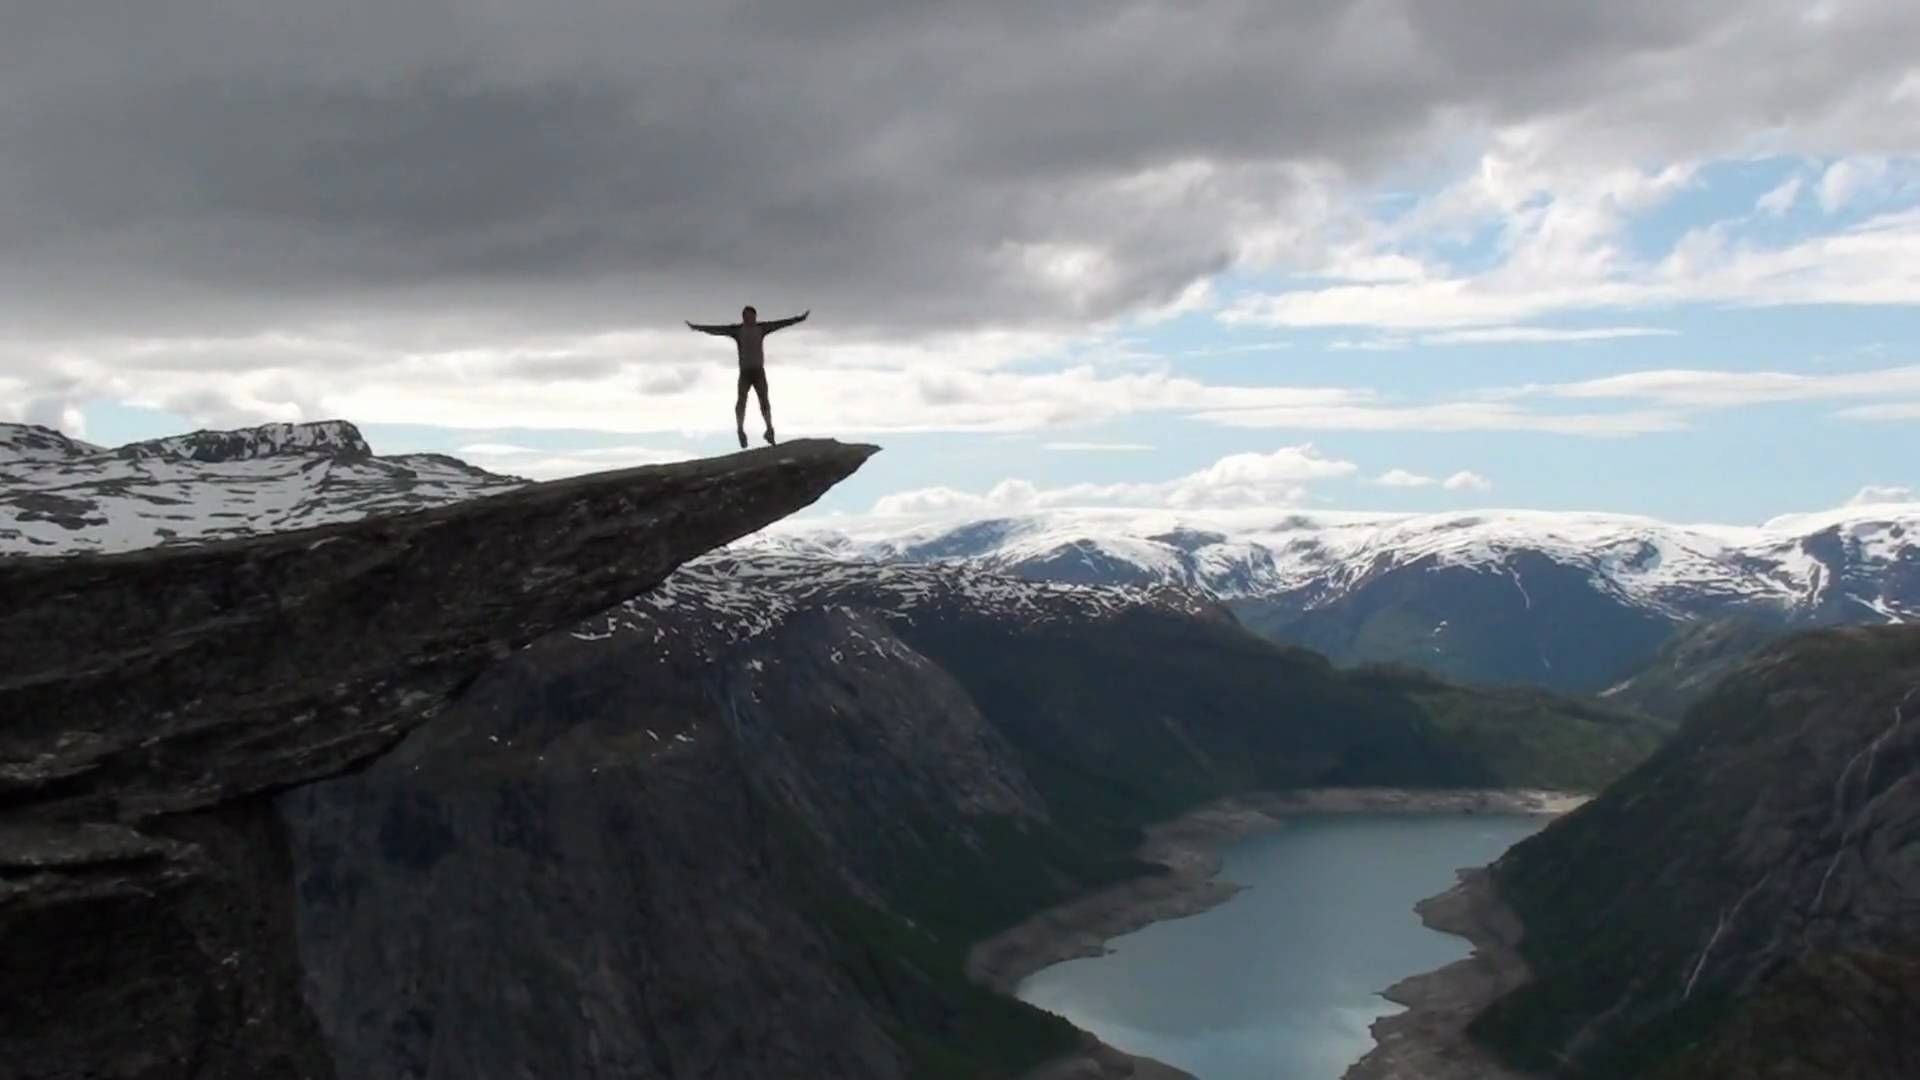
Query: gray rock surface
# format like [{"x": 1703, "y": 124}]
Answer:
[
  {"x": 151, "y": 703},
  {"x": 627, "y": 862}
]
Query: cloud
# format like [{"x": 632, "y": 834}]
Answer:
[
  {"x": 645, "y": 383},
  {"x": 1694, "y": 389},
  {"x": 413, "y": 207},
  {"x": 1280, "y": 478},
  {"x": 1876, "y": 494},
  {"x": 1876, "y": 261},
  {"x": 595, "y": 162},
  {"x": 56, "y": 414},
  {"x": 1543, "y": 237},
  {"x": 1498, "y": 335},
  {"x": 1449, "y": 416},
  {"x": 1849, "y": 178},
  {"x": 1781, "y": 198},
  {"x": 1898, "y": 410},
  {"x": 1467, "y": 481},
  {"x": 1208, "y": 351},
  {"x": 1096, "y": 447},
  {"x": 1539, "y": 335},
  {"x": 672, "y": 380},
  {"x": 1401, "y": 478}
]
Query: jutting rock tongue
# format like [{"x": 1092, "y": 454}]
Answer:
[
  {"x": 166, "y": 680},
  {"x": 146, "y": 699}
]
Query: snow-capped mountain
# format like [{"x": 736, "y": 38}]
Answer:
[
  {"x": 742, "y": 595},
  {"x": 335, "y": 437},
  {"x": 1573, "y": 600},
  {"x": 1801, "y": 562},
  {"x": 30, "y": 442},
  {"x": 59, "y": 495}
]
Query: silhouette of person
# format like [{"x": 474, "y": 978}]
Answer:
[{"x": 747, "y": 335}]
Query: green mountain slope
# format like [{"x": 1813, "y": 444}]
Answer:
[{"x": 1742, "y": 904}]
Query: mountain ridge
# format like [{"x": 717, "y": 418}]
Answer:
[
  {"x": 1573, "y": 601},
  {"x": 58, "y": 495},
  {"x": 750, "y": 822},
  {"x": 1660, "y": 565}
]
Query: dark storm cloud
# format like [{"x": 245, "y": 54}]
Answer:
[{"x": 221, "y": 166}]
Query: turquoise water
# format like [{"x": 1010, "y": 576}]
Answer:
[{"x": 1281, "y": 982}]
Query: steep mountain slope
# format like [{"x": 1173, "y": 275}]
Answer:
[
  {"x": 785, "y": 796},
  {"x": 151, "y": 703},
  {"x": 749, "y": 823},
  {"x": 1743, "y": 904},
  {"x": 1692, "y": 663},
  {"x": 1572, "y": 601}
]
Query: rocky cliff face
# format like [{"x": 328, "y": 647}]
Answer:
[
  {"x": 154, "y": 701},
  {"x": 638, "y": 861},
  {"x": 1743, "y": 903},
  {"x": 749, "y": 824}
]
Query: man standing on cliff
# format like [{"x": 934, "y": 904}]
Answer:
[{"x": 747, "y": 335}]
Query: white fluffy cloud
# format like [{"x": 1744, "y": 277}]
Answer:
[
  {"x": 1680, "y": 388},
  {"x": 644, "y": 383},
  {"x": 1564, "y": 249},
  {"x": 650, "y": 384},
  {"x": 1781, "y": 197},
  {"x": 1876, "y": 494},
  {"x": 1401, "y": 478},
  {"x": 1280, "y": 478},
  {"x": 1848, "y": 179},
  {"x": 1284, "y": 477}
]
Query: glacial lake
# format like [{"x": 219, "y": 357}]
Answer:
[{"x": 1281, "y": 982}]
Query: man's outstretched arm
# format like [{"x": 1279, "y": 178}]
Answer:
[
  {"x": 719, "y": 329},
  {"x": 780, "y": 324}
]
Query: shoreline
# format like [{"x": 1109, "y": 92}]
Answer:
[
  {"x": 1429, "y": 1041},
  {"x": 1189, "y": 848}
]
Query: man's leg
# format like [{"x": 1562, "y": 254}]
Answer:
[
  {"x": 740, "y": 409},
  {"x": 766, "y": 407}
]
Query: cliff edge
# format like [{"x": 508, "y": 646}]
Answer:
[{"x": 151, "y": 702}]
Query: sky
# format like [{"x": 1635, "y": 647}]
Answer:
[{"x": 1656, "y": 256}]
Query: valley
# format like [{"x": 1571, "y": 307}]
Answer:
[{"x": 795, "y": 806}]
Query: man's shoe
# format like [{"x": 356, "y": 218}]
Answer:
[
  {"x": 769, "y": 436},
  {"x": 743, "y": 438}
]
